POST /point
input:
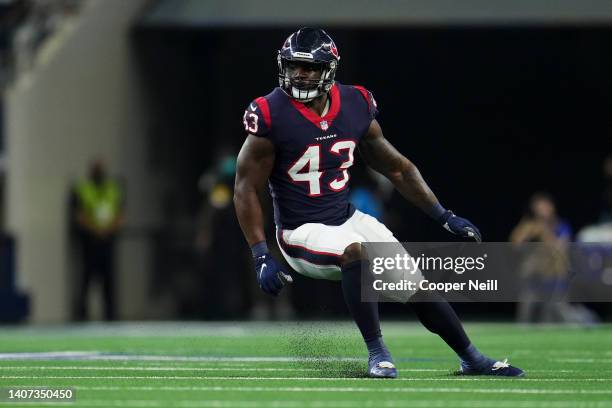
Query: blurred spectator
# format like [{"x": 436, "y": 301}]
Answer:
[
  {"x": 12, "y": 14},
  {"x": 366, "y": 195},
  {"x": 601, "y": 231},
  {"x": 545, "y": 266},
  {"x": 541, "y": 223},
  {"x": 606, "y": 211},
  {"x": 221, "y": 261},
  {"x": 97, "y": 203},
  {"x": 366, "y": 201},
  {"x": 2, "y": 189},
  {"x": 215, "y": 238},
  {"x": 24, "y": 26},
  {"x": 370, "y": 193}
]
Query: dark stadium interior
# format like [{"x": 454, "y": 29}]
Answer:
[
  {"x": 136, "y": 269},
  {"x": 457, "y": 101},
  {"x": 489, "y": 115}
]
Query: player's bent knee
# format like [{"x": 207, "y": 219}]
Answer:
[{"x": 351, "y": 253}]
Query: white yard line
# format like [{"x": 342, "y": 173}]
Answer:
[
  {"x": 350, "y": 389},
  {"x": 271, "y": 369},
  {"x": 583, "y": 360},
  {"x": 237, "y": 367},
  {"x": 224, "y": 378},
  {"x": 100, "y": 356}
]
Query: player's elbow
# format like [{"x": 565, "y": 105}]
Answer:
[
  {"x": 394, "y": 176},
  {"x": 400, "y": 171}
]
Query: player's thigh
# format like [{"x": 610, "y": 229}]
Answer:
[
  {"x": 314, "y": 250},
  {"x": 374, "y": 231},
  {"x": 370, "y": 228}
]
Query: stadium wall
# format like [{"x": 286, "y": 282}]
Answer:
[{"x": 82, "y": 99}]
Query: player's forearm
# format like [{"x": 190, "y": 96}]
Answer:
[
  {"x": 408, "y": 181},
  {"x": 250, "y": 215}
]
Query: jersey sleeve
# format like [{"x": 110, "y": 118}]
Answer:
[
  {"x": 369, "y": 99},
  {"x": 256, "y": 118}
]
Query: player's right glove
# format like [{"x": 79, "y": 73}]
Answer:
[{"x": 269, "y": 274}]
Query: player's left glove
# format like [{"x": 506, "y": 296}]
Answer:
[
  {"x": 460, "y": 226},
  {"x": 457, "y": 225}
]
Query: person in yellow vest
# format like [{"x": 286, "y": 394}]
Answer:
[{"x": 98, "y": 204}]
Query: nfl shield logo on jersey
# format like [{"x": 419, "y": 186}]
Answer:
[{"x": 324, "y": 125}]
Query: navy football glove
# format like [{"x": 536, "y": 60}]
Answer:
[
  {"x": 270, "y": 277},
  {"x": 459, "y": 226}
]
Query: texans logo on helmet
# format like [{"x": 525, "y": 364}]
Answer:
[{"x": 334, "y": 50}]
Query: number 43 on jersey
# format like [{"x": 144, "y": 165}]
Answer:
[{"x": 306, "y": 169}]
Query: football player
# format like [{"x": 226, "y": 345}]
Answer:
[{"x": 302, "y": 138}]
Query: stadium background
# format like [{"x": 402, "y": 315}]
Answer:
[{"x": 492, "y": 103}]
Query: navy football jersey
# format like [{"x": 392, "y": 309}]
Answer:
[{"x": 309, "y": 182}]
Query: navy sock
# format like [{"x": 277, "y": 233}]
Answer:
[
  {"x": 377, "y": 347},
  {"x": 365, "y": 314},
  {"x": 438, "y": 317}
]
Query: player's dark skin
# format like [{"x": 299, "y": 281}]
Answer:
[{"x": 256, "y": 160}]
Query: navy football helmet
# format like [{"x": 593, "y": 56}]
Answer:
[{"x": 313, "y": 46}]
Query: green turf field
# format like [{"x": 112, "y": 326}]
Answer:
[{"x": 301, "y": 365}]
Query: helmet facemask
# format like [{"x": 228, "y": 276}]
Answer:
[{"x": 305, "y": 90}]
